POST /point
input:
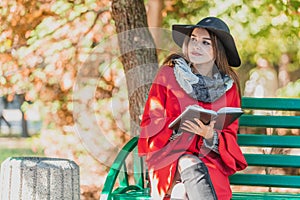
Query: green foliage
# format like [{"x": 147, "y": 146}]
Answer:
[
  {"x": 5, "y": 153},
  {"x": 266, "y": 29},
  {"x": 291, "y": 90},
  {"x": 14, "y": 147},
  {"x": 41, "y": 53},
  {"x": 185, "y": 12}
]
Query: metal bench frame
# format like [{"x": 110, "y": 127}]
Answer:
[{"x": 123, "y": 189}]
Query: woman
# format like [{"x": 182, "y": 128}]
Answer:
[{"x": 199, "y": 157}]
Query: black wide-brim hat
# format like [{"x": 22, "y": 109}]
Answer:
[{"x": 219, "y": 28}]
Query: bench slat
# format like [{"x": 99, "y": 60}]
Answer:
[
  {"x": 271, "y": 103},
  {"x": 140, "y": 188},
  {"x": 269, "y": 140},
  {"x": 285, "y": 181},
  {"x": 263, "y": 196},
  {"x": 270, "y": 121},
  {"x": 273, "y": 160},
  {"x": 136, "y": 195}
]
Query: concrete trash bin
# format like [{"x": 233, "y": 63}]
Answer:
[{"x": 39, "y": 178}]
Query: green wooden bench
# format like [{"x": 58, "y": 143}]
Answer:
[{"x": 261, "y": 114}]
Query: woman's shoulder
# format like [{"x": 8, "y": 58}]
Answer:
[
  {"x": 232, "y": 88},
  {"x": 165, "y": 70},
  {"x": 234, "y": 95},
  {"x": 164, "y": 74}
]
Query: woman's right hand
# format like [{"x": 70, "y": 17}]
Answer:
[{"x": 197, "y": 127}]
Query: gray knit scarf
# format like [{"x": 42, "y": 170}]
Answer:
[{"x": 201, "y": 88}]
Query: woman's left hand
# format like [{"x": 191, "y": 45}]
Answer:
[{"x": 197, "y": 127}]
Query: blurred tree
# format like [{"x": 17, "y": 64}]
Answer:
[
  {"x": 138, "y": 54},
  {"x": 263, "y": 81},
  {"x": 155, "y": 19},
  {"x": 42, "y": 46},
  {"x": 42, "y": 43},
  {"x": 266, "y": 29}
]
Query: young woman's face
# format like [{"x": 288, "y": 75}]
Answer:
[{"x": 200, "y": 49}]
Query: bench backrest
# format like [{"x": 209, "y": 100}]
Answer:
[
  {"x": 260, "y": 114},
  {"x": 280, "y": 126}
]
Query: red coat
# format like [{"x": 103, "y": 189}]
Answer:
[{"x": 165, "y": 102}]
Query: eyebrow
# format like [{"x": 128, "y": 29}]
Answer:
[{"x": 203, "y": 38}]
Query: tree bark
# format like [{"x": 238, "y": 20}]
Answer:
[
  {"x": 21, "y": 98},
  {"x": 154, "y": 12},
  {"x": 138, "y": 54},
  {"x": 283, "y": 74}
]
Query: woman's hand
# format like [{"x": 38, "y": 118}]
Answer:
[{"x": 197, "y": 127}]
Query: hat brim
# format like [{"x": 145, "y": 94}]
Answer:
[{"x": 179, "y": 32}]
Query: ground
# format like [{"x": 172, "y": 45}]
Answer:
[{"x": 23, "y": 147}]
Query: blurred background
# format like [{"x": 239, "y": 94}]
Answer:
[{"x": 45, "y": 43}]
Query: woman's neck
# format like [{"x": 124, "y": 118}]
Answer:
[{"x": 203, "y": 69}]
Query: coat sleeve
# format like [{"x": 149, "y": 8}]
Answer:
[
  {"x": 229, "y": 149},
  {"x": 155, "y": 133}
]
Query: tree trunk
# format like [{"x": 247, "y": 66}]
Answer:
[
  {"x": 154, "y": 12},
  {"x": 21, "y": 98},
  {"x": 283, "y": 74},
  {"x": 138, "y": 54}
]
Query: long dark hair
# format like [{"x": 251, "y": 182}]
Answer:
[{"x": 220, "y": 58}]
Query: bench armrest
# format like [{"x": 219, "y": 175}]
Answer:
[{"x": 116, "y": 166}]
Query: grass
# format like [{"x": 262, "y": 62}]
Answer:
[
  {"x": 8, "y": 152},
  {"x": 19, "y": 152},
  {"x": 18, "y": 147}
]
